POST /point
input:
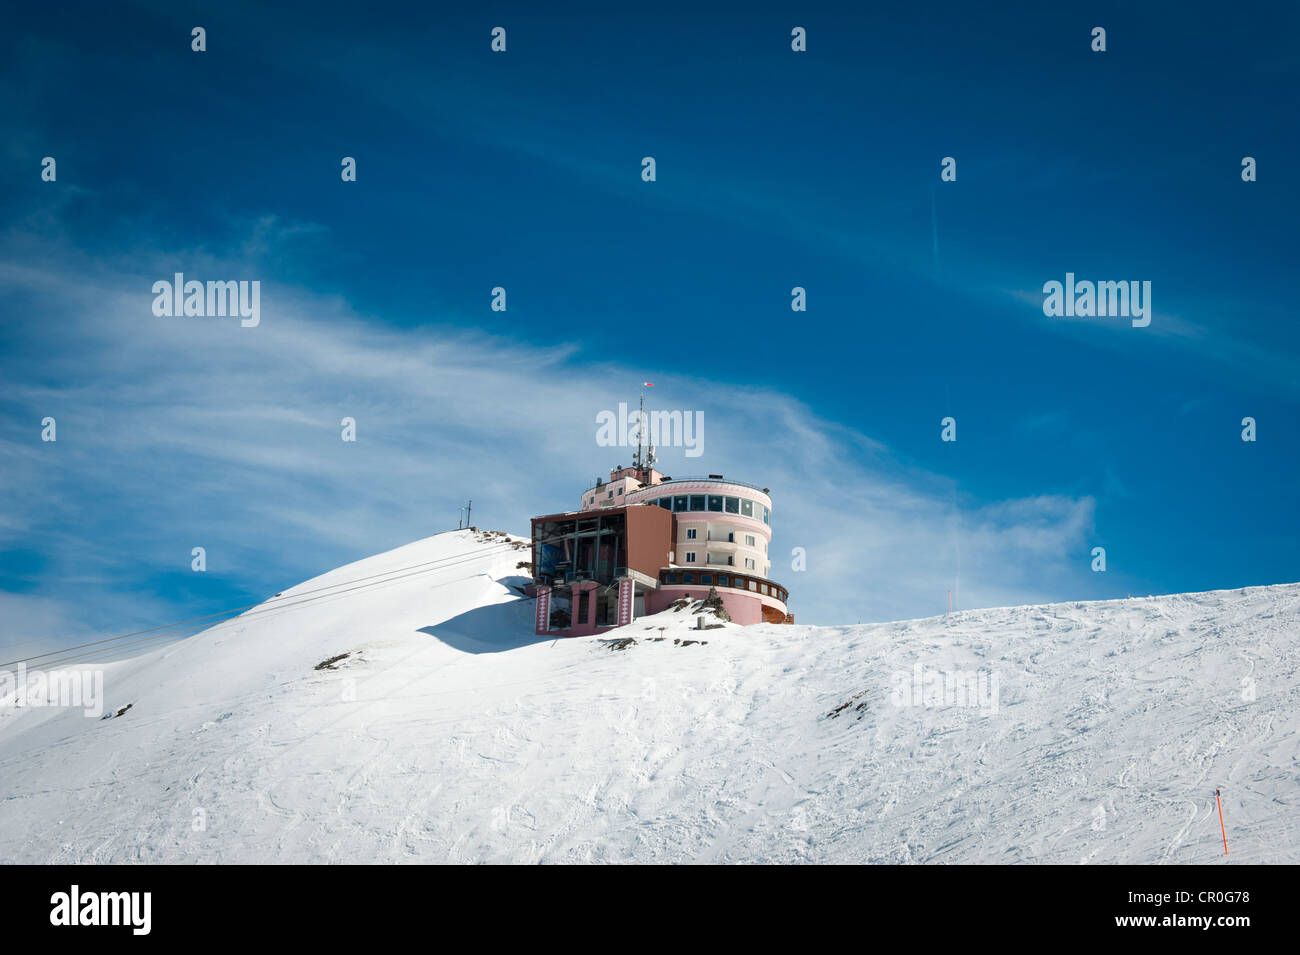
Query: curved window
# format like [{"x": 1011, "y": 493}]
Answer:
[
  {"x": 679, "y": 503},
  {"x": 666, "y": 503},
  {"x": 697, "y": 502},
  {"x": 746, "y": 508},
  {"x": 733, "y": 505},
  {"x": 715, "y": 502}
]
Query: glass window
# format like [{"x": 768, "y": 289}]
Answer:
[
  {"x": 688, "y": 578},
  {"x": 746, "y": 508},
  {"x": 766, "y": 514},
  {"x": 753, "y": 586},
  {"x": 690, "y": 557},
  {"x": 670, "y": 578},
  {"x": 715, "y": 502},
  {"x": 697, "y": 502},
  {"x": 723, "y": 581},
  {"x": 690, "y": 533},
  {"x": 666, "y": 503},
  {"x": 762, "y": 588},
  {"x": 706, "y": 578},
  {"x": 679, "y": 502},
  {"x": 733, "y": 505}
]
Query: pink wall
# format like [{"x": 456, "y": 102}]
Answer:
[{"x": 743, "y": 608}]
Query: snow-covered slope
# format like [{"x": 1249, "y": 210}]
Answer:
[{"x": 450, "y": 733}]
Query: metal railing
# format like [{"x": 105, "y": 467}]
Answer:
[{"x": 707, "y": 479}]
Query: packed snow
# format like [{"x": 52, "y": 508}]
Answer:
[{"x": 400, "y": 709}]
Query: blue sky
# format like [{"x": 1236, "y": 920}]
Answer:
[{"x": 522, "y": 170}]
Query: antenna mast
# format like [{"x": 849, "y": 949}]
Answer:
[
  {"x": 645, "y": 454},
  {"x": 640, "y": 429}
]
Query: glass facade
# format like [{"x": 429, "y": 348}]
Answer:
[
  {"x": 684, "y": 503},
  {"x": 753, "y": 585}
]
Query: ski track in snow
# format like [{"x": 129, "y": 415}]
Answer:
[{"x": 452, "y": 734}]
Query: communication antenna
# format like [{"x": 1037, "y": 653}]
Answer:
[
  {"x": 644, "y": 458},
  {"x": 640, "y": 427}
]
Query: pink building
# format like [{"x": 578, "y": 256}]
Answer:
[{"x": 642, "y": 540}]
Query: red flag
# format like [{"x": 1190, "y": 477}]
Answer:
[{"x": 647, "y": 384}]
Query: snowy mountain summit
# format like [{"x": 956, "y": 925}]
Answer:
[{"x": 402, "y": 709}]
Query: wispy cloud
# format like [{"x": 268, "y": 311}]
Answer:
[{"x": 182, "y": 432}]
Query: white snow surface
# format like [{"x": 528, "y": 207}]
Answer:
[{"x": 450, "y": 733}]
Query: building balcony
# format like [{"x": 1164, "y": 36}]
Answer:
[{"x": 702, "y": 576}]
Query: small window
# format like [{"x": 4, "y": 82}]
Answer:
[
  {"x": 690, "y": 557},
  {"x": 620, "y": 490},
  {"x": 746, "y": 508},
  {"x": 706, "y": 578},
  {"x": 762, "y": 588},
  {"x": 766, "y": 514},
  {"x": 611, "y": 494},
  {"x": 715, "y": 502},
  {"x": 723, "y": 581},
  {"x": 690, "y": 533},
  {"x": 749, "y": 540},
  {"x": 733, "y": 505},
  {"x": 697, "y": 502},
  {"x": 752, "y": 585},
  {"x": 688, "y": 578},
  {"x": 749, "y": 563},
  {"x": 670, "y": 578},
  {"x": 679, "y": 503}
]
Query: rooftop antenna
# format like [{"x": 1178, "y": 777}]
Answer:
[
  {"x": 643, "y": 458},
  {"x": 640, "y": 427}
]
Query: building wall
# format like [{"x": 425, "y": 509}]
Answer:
[
  {"x": 743, "y": 607},
  {"x": 622, "y": 482},
  {"x": 649, "y": 539},
  {"x": 719, "y": 523}
]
